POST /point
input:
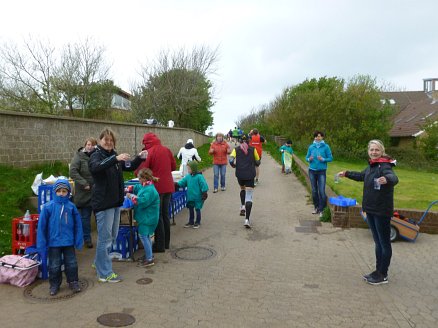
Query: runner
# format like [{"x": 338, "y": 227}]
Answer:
[
  {"x": 257, "y": 141},
  {"x": 245, "y": 159}
]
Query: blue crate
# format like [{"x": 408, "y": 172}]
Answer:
[
  {"x": 45, "y": 195},
  {"x": 43, "y": 271},
  {"x": 122, "y": 243},
  {"x": 342, "y": 201}
]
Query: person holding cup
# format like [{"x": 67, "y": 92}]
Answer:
[
  {"x": 378, "y": 202},
  {"x": 106, "y": 167}
]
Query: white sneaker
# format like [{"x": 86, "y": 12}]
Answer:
[{"x": 246, "y": 224}]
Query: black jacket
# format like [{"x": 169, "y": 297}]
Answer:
[
  {"x": 245, "y": 164},
  {"x": 108, "y": 185},
  {"x": 377, "y": 202}
]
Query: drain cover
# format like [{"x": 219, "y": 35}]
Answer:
[
  {"x": 193, "y": 253},
  {"x": 39, "y": 291},
  {"x": 144, "y": 281},
  {"x": 116, "y": 319}
]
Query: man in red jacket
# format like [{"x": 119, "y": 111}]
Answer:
[
  {"x": 161, "y": 161},
  {"x": 257, "y": 141}
]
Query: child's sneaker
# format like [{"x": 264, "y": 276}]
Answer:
[
  {"x": 315, "y": 211},
  {"x": 147, "y": 263},
  {"x": 188, "y": 225},
  {"x": 74, "y": 286},
  {"x": 196, "y": 226},
  {"x": 113, "y": 277},
  {"x": 223, "y": 189},
  {"x": 54, "y": 290}
]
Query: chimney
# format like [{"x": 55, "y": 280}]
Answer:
[{"x": 430, "y": 85}]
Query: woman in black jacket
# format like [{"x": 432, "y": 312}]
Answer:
[
  {"x": 378, "y": 203},
  {"x": 106, "y": 167}
]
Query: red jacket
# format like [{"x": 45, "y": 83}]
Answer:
[
  {"x": 161, "y": 161},
  {"x": 256, "y": 142},
  {"x": 219, "y": 150}
]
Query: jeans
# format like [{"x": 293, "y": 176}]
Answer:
[
  {"x": 317, "y": 181},
  {"x": 381, "y": 230},
  {"x": 192, "y": 215},
  {"x": 162, "y": 231},
  {"x": 85, "y": 213},
  {"x": 219, "y": 169},
  {"x": 146, "y": 240},
  {"x": 55, "y": 261},
  {"x": 107, "y": 229}
]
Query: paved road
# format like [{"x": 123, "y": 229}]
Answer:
[{"x": 270, "y": 276}]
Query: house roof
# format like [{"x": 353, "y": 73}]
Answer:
[{"x": 410, "y": 118}]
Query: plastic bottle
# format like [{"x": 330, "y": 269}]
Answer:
[{"x": 27, "y": 216}]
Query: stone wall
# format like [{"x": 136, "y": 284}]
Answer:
[
  {"x": 27, "y": 139},
  {"x": 349, "y": 217}
]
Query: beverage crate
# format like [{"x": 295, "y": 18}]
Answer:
[
  {"x": 122, "y": 243},
  {"x": 24, "y": 233},
  {"x": 42, "y": 257}
]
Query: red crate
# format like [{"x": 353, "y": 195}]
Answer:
[{"x": 24, "y": 233}]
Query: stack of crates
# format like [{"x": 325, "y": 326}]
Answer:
[
  {"x": 24, "y": 233},
  {"x": 178, "y": 202},
  {"x": 123, "y": 241},
  {"x": 45, "y": 195}
]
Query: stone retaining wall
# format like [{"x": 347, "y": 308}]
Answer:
[{"x": 27, "y": 139}]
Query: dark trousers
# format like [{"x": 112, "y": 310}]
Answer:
[
  {"x": 56, "y": 255},
  {"x": 162, "y": 232},
  {"x": 317, "y": 181},
  {"x": 381, "y": 230}
]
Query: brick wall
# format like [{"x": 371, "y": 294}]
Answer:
[
  {"x": 349, "y": 217},
  {"x": 27, "y": 139}
]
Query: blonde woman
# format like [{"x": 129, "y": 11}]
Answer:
[{"x": 378, "y": 203}]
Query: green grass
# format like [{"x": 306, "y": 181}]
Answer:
[{"x": 415, "y": 190}]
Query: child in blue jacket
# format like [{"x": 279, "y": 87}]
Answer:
[
  {"x": 286, "y": 150},
  {"x": 60, "y": 230},
  {"x": 197, "y": 189}
]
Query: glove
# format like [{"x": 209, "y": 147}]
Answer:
[{"x": 204, "y": 196}]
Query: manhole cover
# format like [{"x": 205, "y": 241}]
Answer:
[
  {"x": 39, "y": 291},
  {"x": 144, "y": 281},
  {"x": 116, "y": 319},
  {"x": 310, "y": 223},
  {"x": 193, "y": 253},
  {"x": 309, "y": 229}
]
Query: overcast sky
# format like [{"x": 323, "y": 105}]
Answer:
[{"x": 264, "y": 46}]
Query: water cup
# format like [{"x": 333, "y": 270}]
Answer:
[
  {"x": 128, "y": 164},
  {"x": 337, "y": 178},
  {"x": 376, "y": 184}
]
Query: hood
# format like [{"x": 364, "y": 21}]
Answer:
[
  {"x": 150, "y": 140},
  {"x": 193, "y": 166},
  {"x": 189, "y": 146}
]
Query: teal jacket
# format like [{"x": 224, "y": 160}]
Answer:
[
  {"x": 146, "y": 208},
  {"x": 319, "y": 149},
  {"x": 196, "y": 186},
  {"x": 285, "y": 148}
]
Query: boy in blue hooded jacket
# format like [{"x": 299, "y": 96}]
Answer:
[{"x": 60, "y": 231}]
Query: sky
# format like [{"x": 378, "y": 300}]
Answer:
[{"x": 263, "y": 46}]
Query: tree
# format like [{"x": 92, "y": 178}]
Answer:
[
  {"x": 429, "y": 142},
  {"x": 27, "y": 77},
  {"x": 176, "y": 88}
]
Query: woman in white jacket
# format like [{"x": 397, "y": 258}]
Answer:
[{"x": 187, "y": 154}]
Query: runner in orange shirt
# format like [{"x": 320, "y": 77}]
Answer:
[{"x": 257, "y": 141}]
